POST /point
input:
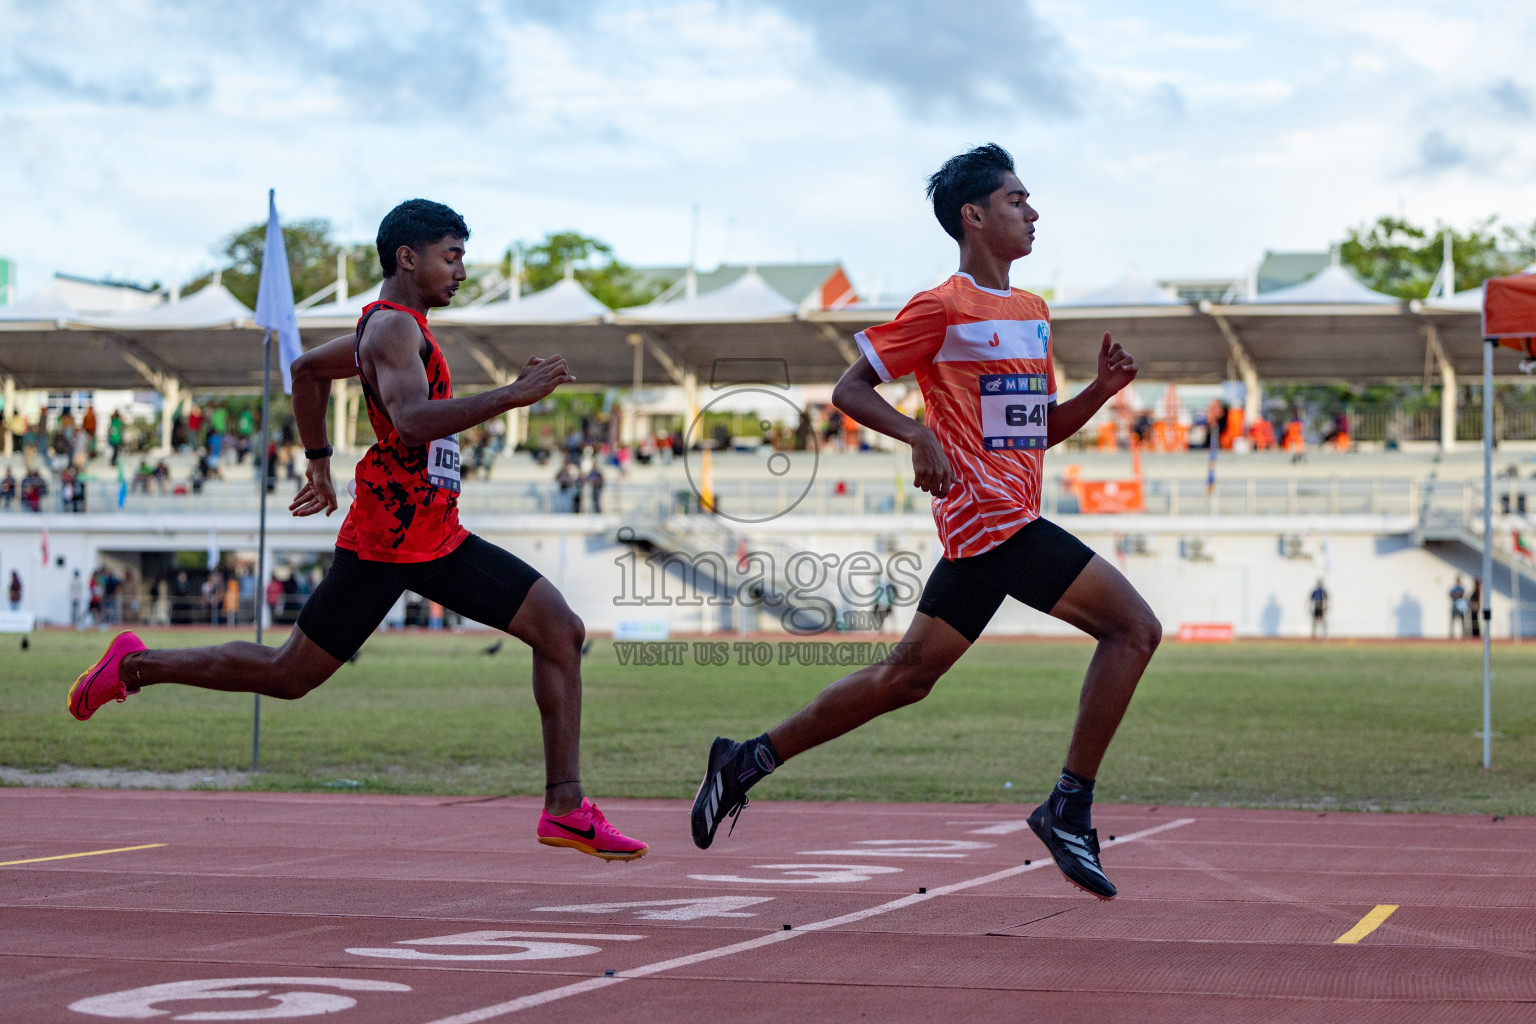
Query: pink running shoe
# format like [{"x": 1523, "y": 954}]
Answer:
[
  {"x": 586, "y": 829},
  {"x": 100, "y": 683}
]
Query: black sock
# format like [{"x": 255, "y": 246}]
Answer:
[
  {"x": 755, "y": 759},
  {"x": 1072, "y": 800}
]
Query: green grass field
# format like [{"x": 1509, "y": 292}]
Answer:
[{"x": 1332, "y": 726}]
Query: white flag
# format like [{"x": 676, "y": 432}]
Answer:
[{"x": 274, "y": 297}]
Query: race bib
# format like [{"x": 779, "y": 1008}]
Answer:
[
  {"x": 443, "y": 464},
  {"x": 1013, "y": 410}
]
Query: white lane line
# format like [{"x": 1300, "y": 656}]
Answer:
[
  {"x": 1002, "y": 828},
  {"x": 592, "y": 984}
]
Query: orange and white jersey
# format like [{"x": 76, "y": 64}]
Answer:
[{"x": 983, "y": 360}]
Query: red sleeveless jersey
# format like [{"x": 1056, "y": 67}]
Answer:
[{"x": 407, "y": 503}]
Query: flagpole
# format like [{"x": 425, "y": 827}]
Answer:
[{"x": 261, "y": 542}]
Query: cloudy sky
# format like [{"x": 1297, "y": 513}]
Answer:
[{"x": 1176, "y": 138}]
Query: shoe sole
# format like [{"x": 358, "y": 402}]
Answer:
[
  {"x": 1070, "y": 880},
  {"x": 709, "y": 772},
  {"x": 83, "y": 683},
  {"x": 593, "y": 851}
]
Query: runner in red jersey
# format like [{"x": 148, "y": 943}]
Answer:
[
  {"x": 402, "y": 531},
  {"x": 981, "y": 352}
]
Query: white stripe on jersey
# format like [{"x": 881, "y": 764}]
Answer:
[
  {"x": 868, "y": 351},
  {"x": 988, "y": 340}
]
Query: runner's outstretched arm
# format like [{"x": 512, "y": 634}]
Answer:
[
  {"x": 312, "y": 374},
  {"x": 856, "y": 396},
  {"x": 1116, "y": 370},
  {"x": 391, "y": 357}
]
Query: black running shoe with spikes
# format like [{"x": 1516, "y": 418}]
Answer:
[
  {"x": 1075, "y": 852},
  {"x": 729, "y": 773}
]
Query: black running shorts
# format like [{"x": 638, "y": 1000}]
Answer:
[
  {"x": 478, "y": 580},
  {"x": 1036, "y": 565}
]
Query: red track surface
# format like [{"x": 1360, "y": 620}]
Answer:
[{"x": 444, "y": 911}]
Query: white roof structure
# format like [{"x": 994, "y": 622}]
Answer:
[
  {"x": 1331, "y": 286},
  {"x": 213, "y": 306},
  {"x": 339, "y": 314},
  {"x": 1130, "y": 290},
  {"x": 41, "y": 307},
  {"x": 748, "y": 299},
  {"x": 566, "y": 302}
]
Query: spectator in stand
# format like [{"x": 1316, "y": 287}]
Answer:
[
  {"x": 115, "y": 434},
  {"x": 275, "y": 598},
  {"x": 1458, "y": 597},
  {"x": 111, "y": 597},
  {"x": 195, "y": 421},
  {"x": 7, "y": 489},
  {"x": 97, "y": 589},
  {"x": 142, "y": 476},
  {"x": 566, "y": 480},
  {"x": 16, "y": 423},
  {"x": 33, "y": 489},
  {"x": 15, "y": 591},
  {"x": 76, "y": 596},
  {"x": 88, "y": 428},
  {"x": 231, "y": 600},
  {"x": 181, "y": 599},
  {"x": 128, "y": 596},
  {"x": 218, "y": 424},
  {"x": 248, "y": 589},
  {"x": 160, "y": 607},
  {"x": 245, "y": 426},
  {"x": 1319, "y": 598},
  {"x": 213, "y": 596},
  {"x": 162, "y": 476},
  {"x": 595, "y": 482}
]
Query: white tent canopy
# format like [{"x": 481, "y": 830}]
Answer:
[
  {"x": 41, "y": 307},
  {"x": 1130, "y": 290},
  {"x": 213, "y": 306},
  {"x": 1331, "y": 286},
  {"x": 747, "y": 299},
  {"x": 348, "y": 311},
  {"x": 567, "y": 302}
]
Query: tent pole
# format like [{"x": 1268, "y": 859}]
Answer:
[
  {"x": 1486, "y": 611},
  {"x": 261, "y": 542}
]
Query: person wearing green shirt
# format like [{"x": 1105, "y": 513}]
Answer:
[{"x": 115, "y": 434}]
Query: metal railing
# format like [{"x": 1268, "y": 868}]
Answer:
[{"x": 758, "y": 500}]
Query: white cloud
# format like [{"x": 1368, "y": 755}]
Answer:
[{"x": 141, "y": 131}]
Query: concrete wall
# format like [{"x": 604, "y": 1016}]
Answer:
[{"x": 1381, "y": 585}]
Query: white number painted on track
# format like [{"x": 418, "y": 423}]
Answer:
[
  {"x": 668, "y": 910},
  {"x": 139, "y": 1003},
  {"x": 807, "y": 874},
  {"x": 951, "y": 848},
  {"x": 524, "y": 946}
]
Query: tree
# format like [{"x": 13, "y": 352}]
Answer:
[
  {"x": 1402, "y": 259},
  {"x": 592, "y": 263},
  {"x": 312, "y": 255}
]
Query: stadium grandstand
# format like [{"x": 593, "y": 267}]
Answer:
[{"x": 130, "y": 444}]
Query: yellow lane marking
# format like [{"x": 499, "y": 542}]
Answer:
[
  {"x": 1369, "y": 923},
  {"x": 88, "y": 853}
]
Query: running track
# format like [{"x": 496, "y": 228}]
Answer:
[{"x": 421, "y": 910}]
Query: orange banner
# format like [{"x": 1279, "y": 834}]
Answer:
[{"x": 1205, "y": 633}]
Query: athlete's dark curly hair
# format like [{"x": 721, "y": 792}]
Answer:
[
  {"x": 966, "y": 178},
  {"x": 417, "y": 223}
]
